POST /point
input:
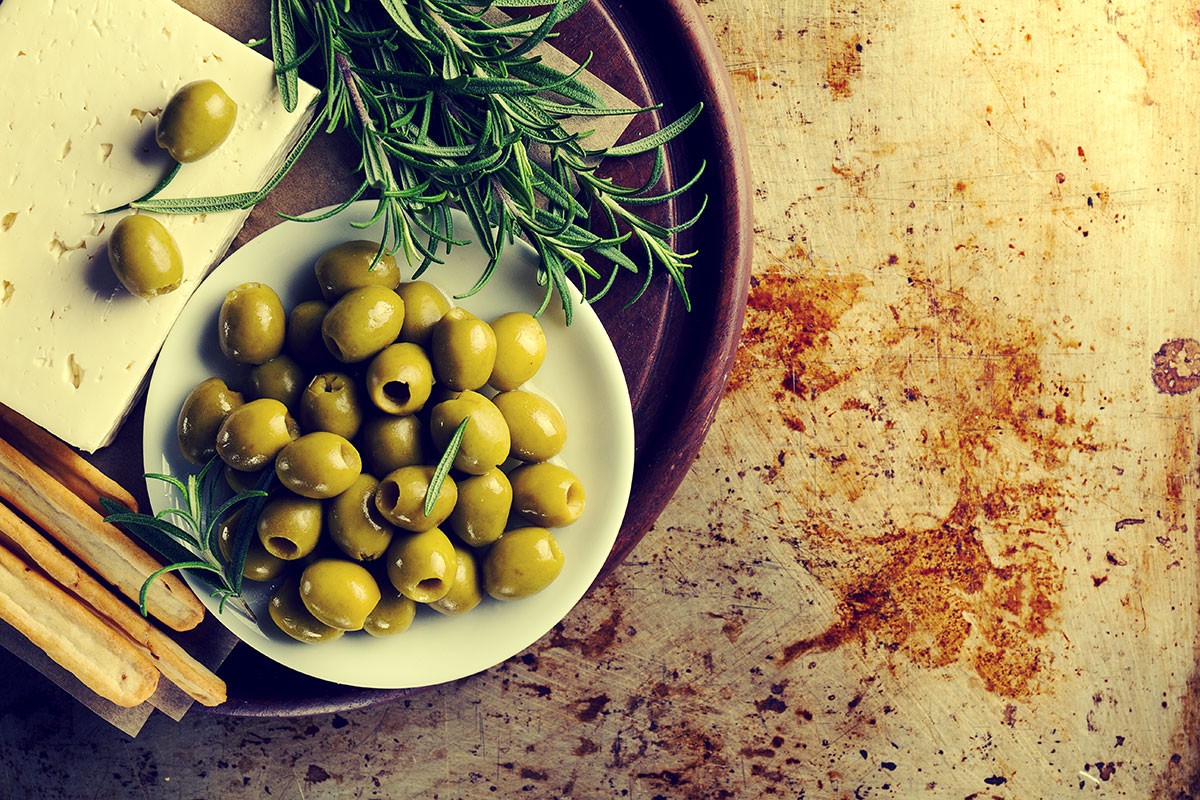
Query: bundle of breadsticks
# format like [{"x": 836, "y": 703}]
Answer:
[{"x": 69, "y": 581}]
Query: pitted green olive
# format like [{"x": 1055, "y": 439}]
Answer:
[
  {"x": 259, "y": 565},
  {"x": 331, "y": 403},
  {"x": 291, "y": 616},
  {"x": 289, "y": 526},
  {"x": 318, "y": 465},
  {"x": 393, "y": 614},
  {"x": 521, "y": 563},
  {"x": 486, "y": 441},
  {"x": 465, "y": 592},
  {"x": 339, "y": 593},
  {"x": 355, "y": 524},
  {"x": 254, "y": 433},
  {"x": 353, "y": 264},
  {"x": 144, "y": 256},
  {"x": 520, "y": 350},
  {"x": 196, "y": 120},
  {"x": 535, "y": 424},
  {"x": 200, "y": 417},
  {"x": 388, "y": 443},
  {"x": 400, "y": 497},
  {"x": 422, "y": 565},
  {"x": 424, "y": 306},
  {"x": 252, "y": 324},
  {"x": 481, "y": 513},
  {"x": 362, "y": 322},
  {"x": 400, "y": 378},
  {"x": 547, "y": 494},
  {"x": 281, "y": 378},
  {"x": 463, "y": 350},
  {"x": 303, "y": 340}
]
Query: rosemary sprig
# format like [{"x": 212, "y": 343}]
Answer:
[
  {"x": 450, "y": 108},
  {"x": 187, "y": 535}
]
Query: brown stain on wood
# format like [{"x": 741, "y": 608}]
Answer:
[
  {"x": 977, "y": 582},
  {"x": 844, "y": 65},
  {"x": 784, "y": 324}
]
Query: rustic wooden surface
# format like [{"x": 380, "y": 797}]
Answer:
[{"x": 941, "y": 541}]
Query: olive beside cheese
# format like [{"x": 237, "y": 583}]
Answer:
[
  {"x": 142, "y": 253},
  {"x": 351, "y": 397}
]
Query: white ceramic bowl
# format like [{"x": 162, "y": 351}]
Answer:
[{"x": 581, "y": 374}]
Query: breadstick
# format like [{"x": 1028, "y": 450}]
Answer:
[
  {"x": 80, "y": 528},
  {"x": 171, "y": 660},
  {"x": 55, "y": 457},
  {"x": 72, "y": 636}
]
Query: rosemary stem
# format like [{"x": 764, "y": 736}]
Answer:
[{"x": 346, "y": 72}]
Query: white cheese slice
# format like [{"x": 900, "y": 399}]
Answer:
[{"x": 83, "y": 83}]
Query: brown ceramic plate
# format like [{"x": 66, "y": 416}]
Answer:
[{"x": 676, "y": 361}]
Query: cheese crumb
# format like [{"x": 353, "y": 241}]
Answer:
[{"x": 74, "y": 371}]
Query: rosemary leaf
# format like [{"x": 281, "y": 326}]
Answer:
[
  {"x": 656, "y": 139},
  {"x": 398, "y": 11},
  {"x": 158, "y": 534},
  {"x": 443, "y": 466},
  {"x": 164, "y": 183},
  {"x": 283, "y": 53}
]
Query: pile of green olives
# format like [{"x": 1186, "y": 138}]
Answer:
[{"x": 351, "y": 397}]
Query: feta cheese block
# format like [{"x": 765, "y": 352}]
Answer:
[{"x": 84, "y": 81}]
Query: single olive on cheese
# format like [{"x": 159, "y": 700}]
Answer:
[
  {"x": 196, "y": 120},
  {"x": 144, "y": 256}
]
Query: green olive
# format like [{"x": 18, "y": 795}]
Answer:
[
  {"x": 318, "y": 465},
  {"x": 289, "y": 613},
  {"x": 200, "y": 417},
  {"x": 363, "y": 322},
  {"x": 252, "y": 325},
  {"x": 254, "y": 433},
  {"x": 355, "y": 524},
  {"x": 339, "y": 593},
  {"x": 144, "y": 256},
  {"x": 537, "y": 427},
  {"x": 401, "y": 498},
  {"x": 547, "y": 494},
  {"x": 463, "y": 350},
  {"x": 424, "y": 306},
  {"x": 388, "y": 443},
  {"x": 522, "y": 562},
  {"x": 465, "y": 592},
  {"x": 196, "y": 120},
  {"x": 393, "y": 614},
  {"x": 281, "y": 378},
  {"x": 259, "y": 565},
  {"x": 422, "y": 565},
  {"x": 481, "y": 513},
  {"x": 520, "y": 350},
  {"x": 400, "y": 378},
  {"x": 352, "y": 264},
  {"x": 289, "y": 526},
  {"x": 486, "y": 441},
  {"x": 303, "y": 340},
  {"x": 330, "y": 402}
]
